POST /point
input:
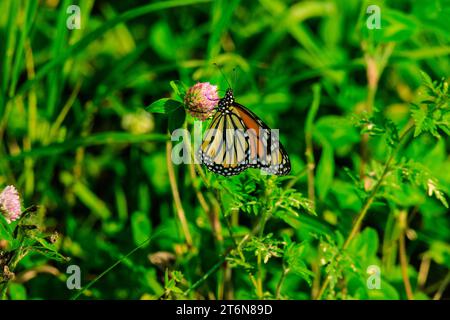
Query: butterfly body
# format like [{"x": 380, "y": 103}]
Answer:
[{"x": 237, "y": 139}]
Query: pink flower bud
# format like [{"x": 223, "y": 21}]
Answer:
[
  {"x": 10, "y": 204},
  {"x": 201, "y": 100}
]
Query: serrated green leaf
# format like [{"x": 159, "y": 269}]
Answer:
[
  {"x": 48, "y": 250},
  {"x": 422, "y": 122},
  {"x": 294, "y": 255},
  {"x": 365, "y": 245},
  {"x": 426, "y": 79},
  {"x": 177, "y": 290},
  {"x": 179, "y": 88}
]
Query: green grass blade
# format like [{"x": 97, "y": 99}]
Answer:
[
  {"x": 88, "y": 39},
  {"x": 30, "y": 11},
  {"x": 8, "y": 52}
]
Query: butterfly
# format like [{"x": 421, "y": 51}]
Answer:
[{"x": 238, "y": 139}]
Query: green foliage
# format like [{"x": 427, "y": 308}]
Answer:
[
  {"x": 85, "y": 123},
  {"x": 295, "y": 257},
  {"x": 418, "y": 174},
  {"x": 433, "y": 112},
  {"x": 21, "y": 239}
]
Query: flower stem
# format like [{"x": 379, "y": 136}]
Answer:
[
  {"x": 403, "y": 257},
  {"x": 280, "y": 282},
  {"x": 3, "y": 291},
  {"x": 442, "y": 287}
]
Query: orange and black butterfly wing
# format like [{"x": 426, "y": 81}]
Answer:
[
  {"x": 266, "y": 152},
  {"x": 238, "y": 139},
  {"x": 225, "y": 147}
]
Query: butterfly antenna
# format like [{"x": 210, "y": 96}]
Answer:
[
  {"x": 223, "y": 74},
  {"x": 235, "y": 77}
]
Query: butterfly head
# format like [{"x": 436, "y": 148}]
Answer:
[{"x": 229, "y": 98}]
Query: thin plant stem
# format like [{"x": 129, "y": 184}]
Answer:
[
  {"x": 201, "y": 199},
  {"x": 423, "y": 271},
  {"x": 262, "y": 224},
  {"x": 442, "y": 287},
  {"x": 403, "y": 257},
  {"x": 259, "y": 286},
  {"x": 316, "y": 281},
  {"x": 90, "y": 284},
  {"x": 280, "y": 282},
  {"x": 294, "y": 179},
  {"x": 375, "y": 64},
  {"x": 215, "y": 267},
  {"x": 367, "y": 204}
]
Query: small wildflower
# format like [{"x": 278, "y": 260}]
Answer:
[
  {"x": 10, "y": 204},
  {"x": 201, "y": 100}
]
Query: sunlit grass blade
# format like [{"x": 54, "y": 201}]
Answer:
[{"x": 94, "y": 35}]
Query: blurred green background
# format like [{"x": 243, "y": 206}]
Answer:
[{"x": 77, "y": 142}]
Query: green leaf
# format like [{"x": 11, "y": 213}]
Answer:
[
  {"x": 337, "y": 130},
  {"x": 420, "y": 175},
  {"x": 365, "y": 245},
  {"x": 176, "y": 119},
  {"x": 392, "y": 137},
  {"x": 141, "y": 227},
  {"x": 398, "y": 25},
  {"x": 162, "y": 40},
  {"x": 422, "y": 122},
  {"x": 17, "y": 291},
  {"x": 177, "y": 290},
  {"x": 440, "y": 253},
  {"x": 48, "y": 250},
  {"x": 5, "y": 229},
  {"x": 426, "y": 80},
  {"x": 164, "y": 105},
  {"x": 387, "y": 292},
  {"x": 294, "y": 257},
  {"x": 313, "y": 110},
  {"x": 179, "y": 88}
]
